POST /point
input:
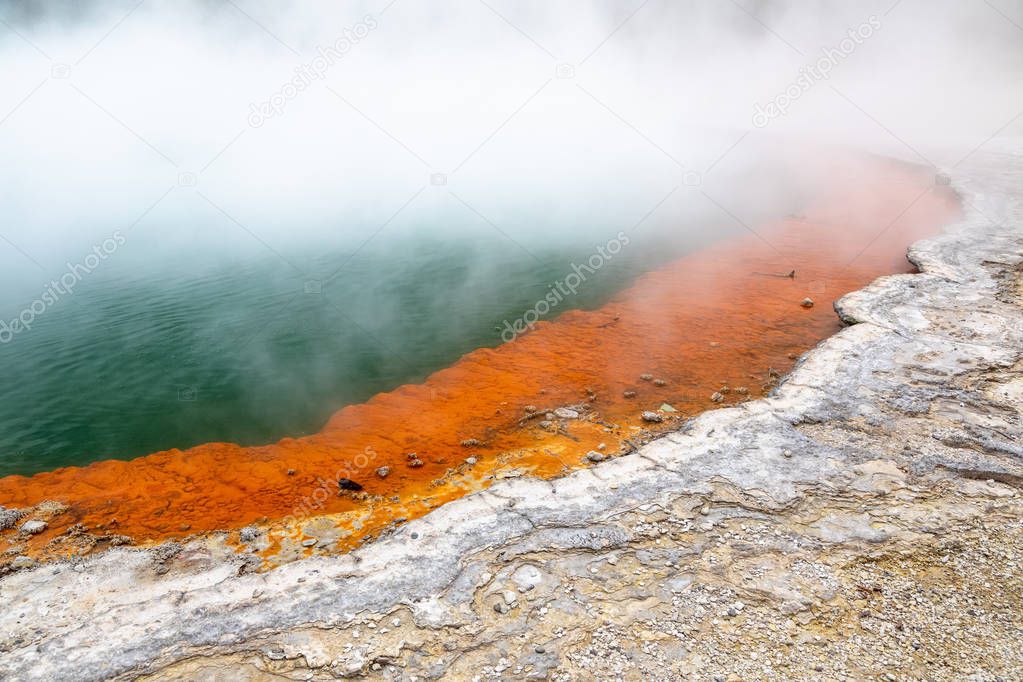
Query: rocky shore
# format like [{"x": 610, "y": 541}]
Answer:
[{"x": 865, "y": 521}]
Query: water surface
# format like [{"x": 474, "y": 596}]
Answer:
[{"x": 139, "y": 360}]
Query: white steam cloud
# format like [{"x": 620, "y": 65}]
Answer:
[{"x": 543, "y": 120}]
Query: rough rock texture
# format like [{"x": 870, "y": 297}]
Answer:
[{"x": 865, "y": 521}]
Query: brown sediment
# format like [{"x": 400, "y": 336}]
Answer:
[{"x": 717, "y": 318}]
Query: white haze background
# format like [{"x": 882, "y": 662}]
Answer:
[{"x": 660, "y": 89}]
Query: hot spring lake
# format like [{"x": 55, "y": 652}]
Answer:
[{"x": 142, "y": 358}]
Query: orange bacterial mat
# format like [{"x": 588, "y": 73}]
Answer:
[{"x": 720, "y": 317}]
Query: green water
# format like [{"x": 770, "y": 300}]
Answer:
[{"x": 139, "y": 360}]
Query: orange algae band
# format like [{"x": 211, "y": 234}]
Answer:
[{"x": 726, "y": 316}]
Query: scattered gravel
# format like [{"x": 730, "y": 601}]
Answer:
[
  {"x": 250, "y": 533},
  {"x": 10, "y": 517}
]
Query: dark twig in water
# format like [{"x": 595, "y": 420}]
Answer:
[
  {"x": 533, "y": 415},
  {"x": 790, "y": 275},
  {"x": 566, "y": 434}
]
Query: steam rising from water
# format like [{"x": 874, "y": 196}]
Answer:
[
  {"x": 503, "y": 130},
  {"x": 156, "y": 91}
]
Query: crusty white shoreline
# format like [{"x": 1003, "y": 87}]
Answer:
[{"x": 918, "y": 342}]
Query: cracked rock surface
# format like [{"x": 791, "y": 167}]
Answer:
[{"x": 863, "y": 522}]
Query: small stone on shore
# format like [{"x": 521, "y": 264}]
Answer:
[
  {"x": 660, "y": 382},
  {"x": 249, "y": 533},
  {"x": 471, "y": 461},
  {"x": 33, "y": 527},
  {"x": 470, "y": 443},
  {"x": 348, "y": 484},
  {"x": 383, "y": 472},
  {"x": 646, "y": 377},
  {"x": 415, "y": 463},
  {"x": 22, "y": 562},
  {"x": 628, "y": 394},
  {"x": 565, "y": 413},
  {"x": 652, "y": 417},
  {"x": 595, "y": 456},
  {"x": 807, "y": 302},
  {"x": 716, "y": 397},
  {"x": 310, "y": 542}
]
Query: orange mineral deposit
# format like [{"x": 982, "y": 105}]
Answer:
[{"x": 706, "y": 331}]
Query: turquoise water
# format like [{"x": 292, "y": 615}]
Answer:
[{"x": 141, "y": 359}]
